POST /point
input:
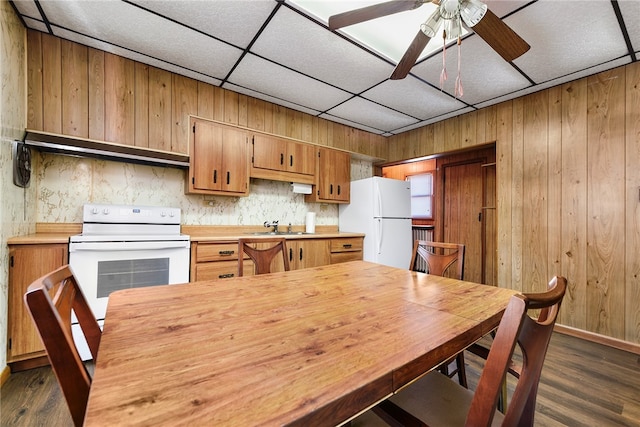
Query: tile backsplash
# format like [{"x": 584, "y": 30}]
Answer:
[{"x": 65, "y": 183}]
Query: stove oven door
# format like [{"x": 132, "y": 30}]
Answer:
[{"x": 105, "y": 267}]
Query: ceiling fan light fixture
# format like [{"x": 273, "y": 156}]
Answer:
[
  {"x": 472, "y": 11},
  {"x": 432, "y": 25},
  {"x": 453, "y": 28}
]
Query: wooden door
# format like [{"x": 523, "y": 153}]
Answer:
[
  {"x": 269, "y": 152},
  {"x": 207, "y": 154},
  {"x": 301, "y": 158},
  {"x": 308, "y": 253},
  {"x": 234, "y": 161},
  {"x": 463, "y": 202}
]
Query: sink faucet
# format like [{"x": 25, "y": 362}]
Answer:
[{"x": 273, "y": 224}]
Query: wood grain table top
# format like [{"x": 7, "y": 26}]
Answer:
[{"x": 306, "y": 347}]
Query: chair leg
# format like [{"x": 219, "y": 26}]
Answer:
[{"x": 461, "y": 370}]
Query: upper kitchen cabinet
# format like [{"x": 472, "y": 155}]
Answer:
[
  {"x": 218, "y": 161},
  {"x": 281, "y": 159},
  {"x": 333, "y": 177}
]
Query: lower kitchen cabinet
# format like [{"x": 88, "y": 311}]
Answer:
[
  {"x": 346, "y": 249},
  {"x": 215, "y": 261},
  {"x": 26, "y": 264},
  {"x": 219, "y": 260}
]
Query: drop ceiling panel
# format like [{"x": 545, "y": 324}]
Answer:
[
  {"x": 274, "y": 80},
  {"x": 370, "y": 114},
  {"x": 476, "y": 58},
  {"x": 236, "y": 22},
  {"x": 132, "y": 28},
  {"x": 631, "y": 11},
  {"x": 350, "y": 123},
  {"x": 316, "y": 52},
  {"x": 78, "y": 38},
  {"x": 28, "y": 8},
  {"x": 413, "y": 97},
  {"x": 35, "y": 24},
  {"x": 567, "y": 36},
  {"x": 259, "y": 95}
]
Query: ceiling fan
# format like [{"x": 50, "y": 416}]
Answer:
[{"x": 450, "y": 14}]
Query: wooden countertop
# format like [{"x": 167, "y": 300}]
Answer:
[{"x": 47, "y": 233}]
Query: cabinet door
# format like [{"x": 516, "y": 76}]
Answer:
[
  {"x": 26, "y": 264},
  {"x": 218, "y": 159},
  {"x": 269, "y": 153},
  {"x": 301, "y": 158},
  {"x": 308, "y": 253},
  {"x": 334, "y": 175}
]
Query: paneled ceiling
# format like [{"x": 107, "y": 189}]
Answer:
[{"x": 275, "y": 51}]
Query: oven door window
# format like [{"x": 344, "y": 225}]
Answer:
[{"x": 134, "y": 273}]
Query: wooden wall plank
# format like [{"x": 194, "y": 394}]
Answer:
[
  {"x": 606, "y": 203},
  {"x": 452, "y": 134},
  {"x": 504, "y": 138},
  {"x": 490, "y": 134},
  {"x": 439, "y": 137},
  {"x": 426, "y": 140},
  {"x": 306, "y": 127},
  {"x": 294, "y": 124},
  {"x": 320, "y": 131},
  {"x": 243, "y": 107},
  {"x": 206, "y": 100},
  {"x": 218, "y": 103},
  {"x": 632, "y": 227},
  {"x": 554, "y": 184},
  {"x": 231, "y": 107},
  {"x": 534, "y": 191},
  {"x": 468, "y": 129},
  {"x": 141, "y": 105},
  {"x": 96, "y": 94},
  {"x": 517, "y": 196},
  {"x": 34, "y": 80},
  {"x": 256, "y": 114},
  {"x": 119, "y": 78},
  {"x": 51, "y": 84},
  {"x": 184, "y": 97},
  {"x": 160, "y": 102},
  {"x": 75, "y": 89},
  {"x": 574, "y": 202}
]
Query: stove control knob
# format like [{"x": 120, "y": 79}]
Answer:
[
  {"x": 105, "y": 211},
  {"x": 163, "y": 214},
  {"x": 94, "y": 211}
]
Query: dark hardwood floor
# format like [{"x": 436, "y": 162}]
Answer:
[{"x": 582, "y": 384}]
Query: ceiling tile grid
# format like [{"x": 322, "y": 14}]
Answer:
[{"x": 277, "y": 51}]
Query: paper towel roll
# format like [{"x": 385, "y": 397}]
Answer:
[{"x": 310, "y": 222}]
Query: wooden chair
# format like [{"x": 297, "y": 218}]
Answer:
[
  {"x": 262, "y": 258},
  {"x": 438, "y": 257},
  {"x": 50, "y": 300},
  {"x": 434, "y": 400}
]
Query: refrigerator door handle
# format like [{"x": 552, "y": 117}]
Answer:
[
  {"x": 379, "y": 200},
  {"x": 380, "y": 237}
]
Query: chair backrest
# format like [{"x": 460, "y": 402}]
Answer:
[
  {"x": 262, "y": 258},
  {"x": 439, "y": 257},
  {"x": 533, "y": 336},
  {"x": 50, "y": 300}
]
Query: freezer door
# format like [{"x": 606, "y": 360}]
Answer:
[
  {"x": 390, "y": 243},
  {"x": 391, "y": 198}
]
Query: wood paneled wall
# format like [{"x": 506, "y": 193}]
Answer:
[
  {"x": 568, "y": 188},
  {"x": 80, "y": 91}
]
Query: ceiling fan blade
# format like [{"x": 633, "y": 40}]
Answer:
[
  {"x": 500, "y": 37},
  {"x": 410, "y": 56},
  {"x": 371, "y": 12}
]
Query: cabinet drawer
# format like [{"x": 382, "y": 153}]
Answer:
[
  {"x": 348, "y": 244},
  {"x": 338, "y": 257},
  {"x": 221, "y": 270},
  {"x": 216, "y": 252}
]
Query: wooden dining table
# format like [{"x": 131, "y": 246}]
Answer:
[{"x": 307, "y": 347}]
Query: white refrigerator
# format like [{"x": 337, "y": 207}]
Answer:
[{"x": 381, "y": 209}]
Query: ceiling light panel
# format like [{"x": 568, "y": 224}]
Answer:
[
  {"x": 319, "y": 53},
  {"x": 371, "y": 114},
  {"x": 274, "y": 80},
  {"x": 390, "y": 35},
  {"x": 567, "y": 36},
  {"x": 236, "y": 22},
  {"x": 413, "y": 97},
  {"x": 130, "y": 27}
]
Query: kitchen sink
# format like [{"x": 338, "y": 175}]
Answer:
[{"x": 279, "y": 233}]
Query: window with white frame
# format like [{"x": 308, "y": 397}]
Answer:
[{"x": 421, "y": 195}]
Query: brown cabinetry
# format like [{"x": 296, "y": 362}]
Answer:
[
  {"x": 218, "y": 161},
  {"x": 214, "y": 261},
  {"x": 346, "y": 249},
  {"x": 308, "y": 253},
  {"x": 26, "y": 264},
  {"x": 333, "y": 177},
  {"x": 282, "y": 159}
]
